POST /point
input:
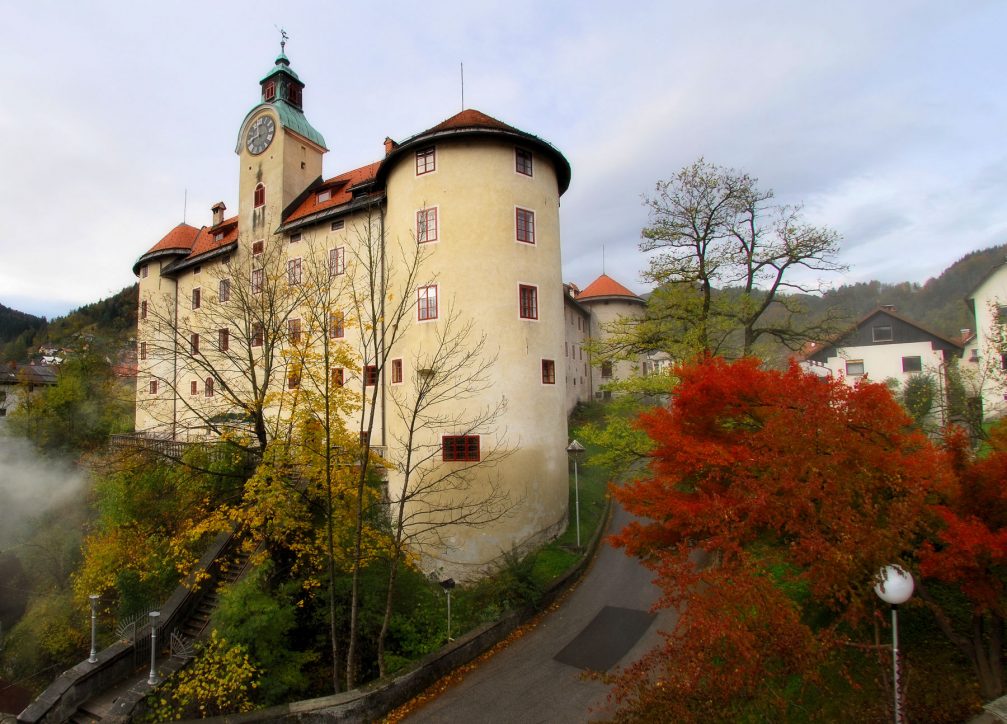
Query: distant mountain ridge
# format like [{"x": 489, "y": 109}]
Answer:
[{"x": 112, "y": 320}]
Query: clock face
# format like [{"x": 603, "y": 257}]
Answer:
[{"x": 260, "y": 134}]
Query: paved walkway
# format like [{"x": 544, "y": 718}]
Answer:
[{"x": 605, "y": 622}]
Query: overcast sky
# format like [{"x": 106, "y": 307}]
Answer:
[{"x": 886, "y": 119}]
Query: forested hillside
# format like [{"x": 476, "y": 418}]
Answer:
[{"x": 112, "y": 319}]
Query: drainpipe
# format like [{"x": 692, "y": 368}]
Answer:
[
  {"x": 174, "y": 368},
  {"x": 384, "y": 376}
]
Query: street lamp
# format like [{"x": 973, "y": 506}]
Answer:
[
  {"x": 93, "y": 658},
  {"x": 447, "y": 584},
  {"x": 895, "y": 587},
  {"x": 152, "y": 678},
  {"x": 575, "y": 449}
]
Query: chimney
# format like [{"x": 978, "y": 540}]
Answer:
[
  {"x": 218, "y": 212},
  {"x": 390, "y": 145},
  {"x": 888, "y": 307}
]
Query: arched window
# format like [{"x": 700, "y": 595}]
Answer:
[
  {"x": 260, "y": 196},
  {"x": 208, "y": 387}
]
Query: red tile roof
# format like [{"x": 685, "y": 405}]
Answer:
[
  {"x": 181, "y": 237},
  {"x": 339, "y": 186},
  {"x": 206, "y": 240},
  {"x": 605, "y": 286},
  {"x": 469, "y": 118}
]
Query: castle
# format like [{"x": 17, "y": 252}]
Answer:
[{"x": 457, "y": 227}]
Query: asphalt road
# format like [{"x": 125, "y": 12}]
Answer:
[{"x": 604, "y": 623}]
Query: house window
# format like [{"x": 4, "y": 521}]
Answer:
[
  {"x": 257, "y": 334},
  {"x": 269, "y": 91},
  {"x": 322, "y": 196},
  {"x": 426, "y": 160},
  {"x": 224, "y": 292},
  {"x": 258, "y": 247},
  {"x": 912, "y": 364},
  {"x": 525, "y": 222},
  {"x": 548, "y": 372},
  {"x": 426, "y": 303},
  {"x": 143, "y": 310},
  {"x": 143, "y": 271},
  {"x": 527, "y": 301},
  {"x": 606, "y": 369},
  {"x": 256, "y": 281},
  {"x": 854, "y": 367},
  {"x": 882, "y": 333},
  {"x": 294, "y": 330},
  {"x": 196, "y": 269},
  {"x": 337, "y": 261},
  {"x": 460, "y": 448},
  {"x": 522, "y": 161},
  {"x": 259, "y": 197},
  {"x": 336, "y": 325},
  {"x": 396, "y": 371},
  {"x": 194, "y": 388},
  {"x": 208, "y": 387},
  {"x": 295, "y": 237},
  {"x": 153, "y": 387},
  {"x": 337, "y": 225},
  {"x": 223, "y": 339},
  {"x": 194, "y": 343},
  {"x": 294, "y": 271},
  {"x": 143, "y": 350},
  {"x": 337, "y": 376},
  {"x": 196, "y": 298},
  {"x": 426, "y": 225},
  {"x": 370, "y": 375},
  {"x": 294, "y": 378}
]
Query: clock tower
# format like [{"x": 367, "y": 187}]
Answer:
[{"x": 279, "y": 152}]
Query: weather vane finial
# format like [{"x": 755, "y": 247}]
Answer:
[{"x": 283, "y": 40}]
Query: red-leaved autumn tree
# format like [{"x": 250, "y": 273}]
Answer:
[{"x": 797, "y": 490}]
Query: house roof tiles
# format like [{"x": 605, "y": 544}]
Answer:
[
  {"x": 340, "y": 187},
  {"x": 605, "y": 286}
]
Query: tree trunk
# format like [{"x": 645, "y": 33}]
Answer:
[{"x": 386, "y": 622}]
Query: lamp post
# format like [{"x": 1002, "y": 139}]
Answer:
[
  {"x": 575, "y": 449},
  {"x": 447, "y": 584},
  {"x": 152, "y": 678},
  {"x": 895, "y": 587},
  {"x": 93, "y": 658}
]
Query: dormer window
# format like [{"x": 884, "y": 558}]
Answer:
[
  {"x": 269, "y": 91},
  {"x": 323, "y": 196},
  {"x": 219, "y": 236},
  {"x": 259, "y": 198}
]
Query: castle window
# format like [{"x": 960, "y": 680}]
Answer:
[
  {"x": 460, "y": 448},
  {"x": 370, "y": 375},
  {"x": 256, "y": 281},
  {"x": 882, "y": 333},
  {"x": 854, "y": 367},
  {"x": 223, "y": 339},
  {"x": 337, "y": 225},
  {"x": 143, "y": 310},
  {"x": 194, "y": 388},
  {"x": 295, "y": 237},
  {"x": 426, "y": 303},
  {"x": 259, "y": 197},
  {"x": 294, "y": 330},
  {"x": 294, "y": 271},
  {"x": 219, "y": 236},
  {"x": 196, "y": 269},
  {"x": 426, "y": 225},
  {"x": 208, "y": 387},
  {"x": 143, "y": 272},
  {"x": 143, "y": 350},
  {"x": 224, "y": 292},
  {"x": 194, "y": 343},
  {"x": 294, "y": 94},
  {"x": 548, "y": 372},
  {"x": 912, "y": 364},
  {"x": 336, "y": 325},
  {"x": 606, "y": 369},
  {"x": 337, "y": 261},
  {"x": 322, "y": 196},
  {"x": 528, "y": 301},
  {"x": 258, "y": 247},
  {"x": 196, "y": 297},
  {"x": 337, "y": 376},
  {"x": 426, "y": 160},
  {"x": 269, "y": 91},
  {"x": 294, "y": 378},
  {"x": 522, "y": 161},
  {"x": 257, "y": 334},
  {"x": 153, "y": 387},
  {"x": 396, "y": 371},
  {"x": 525, "y": 225}
]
